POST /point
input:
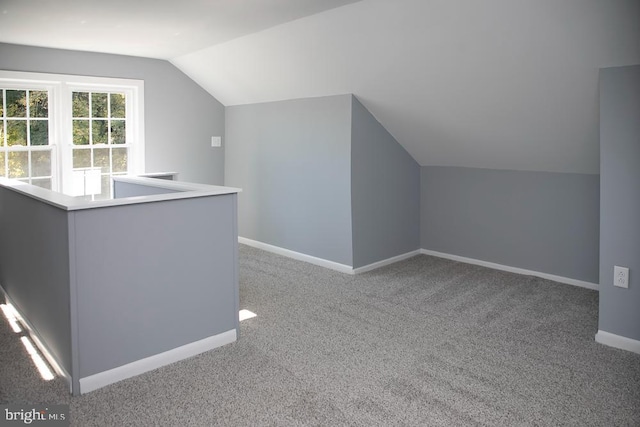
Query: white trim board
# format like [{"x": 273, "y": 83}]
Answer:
[
  {"x": 385, "y": 262},
  {"x": 342, "y": 268},
  {"x": 618, "y": 341},
  {"x": 561, "y": 279},
  {"x": 101, "y": 379}
]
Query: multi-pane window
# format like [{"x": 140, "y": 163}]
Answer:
[
  {"x": 70, "y": 134},
  {"x": 25, "y": 151},
  {"x": 100, "y": 145}
]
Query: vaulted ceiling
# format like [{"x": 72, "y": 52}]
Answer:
[
  {"x": 150, "y": 28},
  {"x": 504, "y": 84}
]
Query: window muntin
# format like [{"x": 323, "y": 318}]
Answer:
[
  {"x": 99, "y": 138},
  {"x": 25, "y": 150},
  {"x": 109, "y": 134}
]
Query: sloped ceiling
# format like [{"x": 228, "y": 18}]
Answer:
[
  {"x": 150, "y": 28},
  {"x": 504, "y": 84},
  {"x": 493, "y": 84}
]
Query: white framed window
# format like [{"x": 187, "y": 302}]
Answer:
[
  {"x": 71, "y": 134},
  {"x": 26, "y": 153}
]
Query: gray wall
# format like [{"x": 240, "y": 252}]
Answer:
[
  {"x": 35, "y": 270},
  {"x": 127, "y": 189},
  {"x": 385, "y": 192},
  {"x": 292, "y": 161},
  {"x": 180, "y": 116},
  {"x": 620, "y": 198},
  {"x": 156, "y": 276},
  {"x": 541, "y": 221},
  {"x": 107, "y": 286}
]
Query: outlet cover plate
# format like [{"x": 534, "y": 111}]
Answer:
[
  {"x": 620, "y": 276},
  {"x": 216, "y": 141}
]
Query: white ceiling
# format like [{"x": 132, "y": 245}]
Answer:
[
  {"x": 505, "y": 84},
  {"x": 494, "y": 84},
  {"x": 152, "y": 28}
]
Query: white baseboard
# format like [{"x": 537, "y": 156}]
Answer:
[
  {"x": 384, "y": 262},
  {"x": 101, "y": 379},
  {"x": 617, "y": 341},
  {"x": 343, "y": 268},
  {"x": 561, "y": 279}
]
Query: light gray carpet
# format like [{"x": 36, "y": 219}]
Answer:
[{"x": 425, "y": 341}]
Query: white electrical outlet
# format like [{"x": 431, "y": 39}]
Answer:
[
  {"x": 216, "y": 141},
  {"x": 620, "y": 276}
]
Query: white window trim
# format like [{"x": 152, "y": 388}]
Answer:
[{"x": 60, "y": 87}]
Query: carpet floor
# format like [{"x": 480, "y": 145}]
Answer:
[{"x": 425, "y": 341}]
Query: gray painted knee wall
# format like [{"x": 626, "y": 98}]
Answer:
[
  {"x": 620, "y": 199},
  {"x": 292, "y": 161},
  {"x": 540, "y": 221},
  {"x": 35, "y": 269},
  {"x": 104, "y": 287},
  {"x": 385, "y": 192},
  {"x": 180, "y": 116},
  {"x": 128, "y": 189},
  {"x": 321, "y": 176}
]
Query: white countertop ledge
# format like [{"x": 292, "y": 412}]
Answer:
[{"x": 180, "y": 190}]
